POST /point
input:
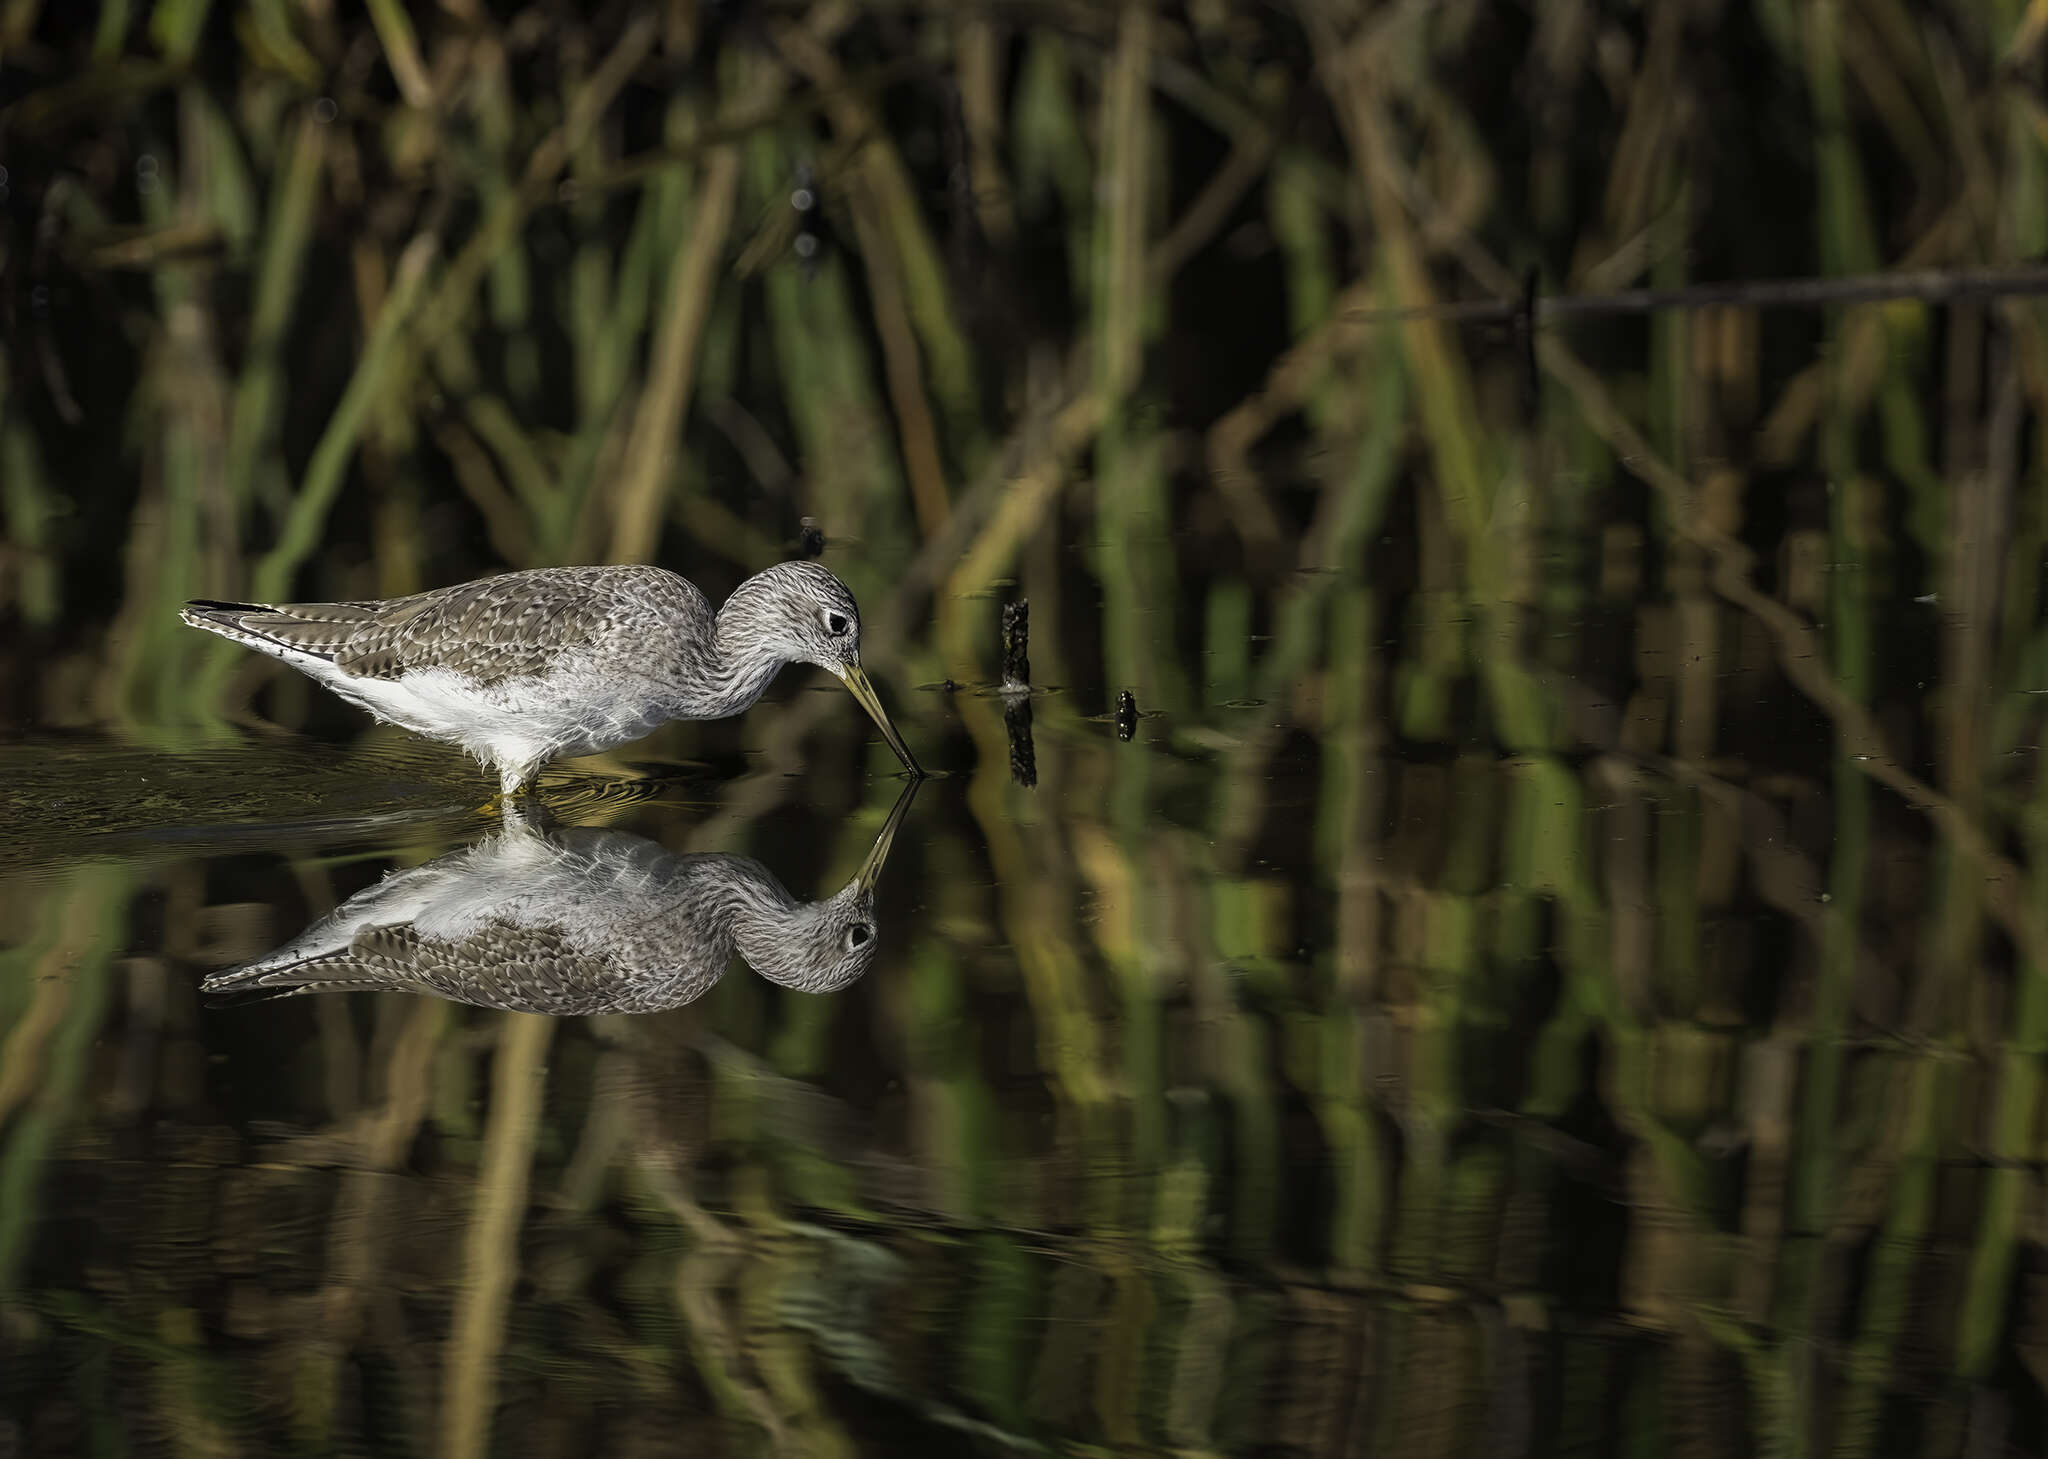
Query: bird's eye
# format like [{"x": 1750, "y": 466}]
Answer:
[
  {"x": 836, "y": 624},
  {"x": 859, "y": 933}
]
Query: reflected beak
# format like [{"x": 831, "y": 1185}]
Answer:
[
  {"x": 871, "y": 869},
  {"x": 856, "y": 680}
]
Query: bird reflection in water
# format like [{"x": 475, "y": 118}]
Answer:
[{"x": 572, "y": 921}]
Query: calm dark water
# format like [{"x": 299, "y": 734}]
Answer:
[{"x": 1291, "y": 1077}]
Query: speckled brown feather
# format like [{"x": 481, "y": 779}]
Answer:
[
  {"x": 497, "y": 628},
  {"x": 524, "y": 969}
]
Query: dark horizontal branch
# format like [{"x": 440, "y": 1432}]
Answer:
[{"x": 1928, "y": 285}]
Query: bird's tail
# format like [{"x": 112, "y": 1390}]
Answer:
[
  {"x": 240, "y": 622},
  {"x": 278, "y": 976},
  {"x": 305, "y": 634}
]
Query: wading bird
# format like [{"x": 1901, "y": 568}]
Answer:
[
  {"x": 576, "y": 921},
  {"x": 530, "y": 666}
]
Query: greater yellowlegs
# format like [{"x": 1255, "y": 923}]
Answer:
[
  {"x": 529, "y": 666},
  {"x": 572, "y": 922}
]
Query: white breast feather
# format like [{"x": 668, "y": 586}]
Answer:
[{"x": 572, "y": 709}]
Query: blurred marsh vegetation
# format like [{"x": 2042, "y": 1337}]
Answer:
[{"x": 1559, "y": 966}]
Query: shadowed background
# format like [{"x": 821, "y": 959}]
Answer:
[{"x": 1556, "y": 965}]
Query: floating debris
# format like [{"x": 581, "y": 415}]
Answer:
[{"x": 1126, "y": 715}]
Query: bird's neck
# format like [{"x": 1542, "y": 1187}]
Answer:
[
  {"x": 764, "y": 922},
  {"x": 734, "y": 668}
]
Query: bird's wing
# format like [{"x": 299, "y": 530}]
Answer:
[
  {"x": 530, "y": 969},
  {"x": 497, "y": 628}
]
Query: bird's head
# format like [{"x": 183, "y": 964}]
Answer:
[
  {"x": 801, "y": 613},
  {"x": 811, "y": 947},
  {"x": 814, "y": 947},
  {"x": 807, "y": 613}
]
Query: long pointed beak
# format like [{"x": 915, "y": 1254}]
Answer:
[
  {"x": 856, "y": 681},
  {"x": 871, "y": 869}
]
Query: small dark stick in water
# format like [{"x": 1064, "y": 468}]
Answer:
[
  {"x": 1126, "y": 715},
  {"x": 1017, "y": 644},
  {"x": 1023, "y": 754},
  {"x": 1017, "y": 691},
  {"x": 1524, "y": 332}
]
